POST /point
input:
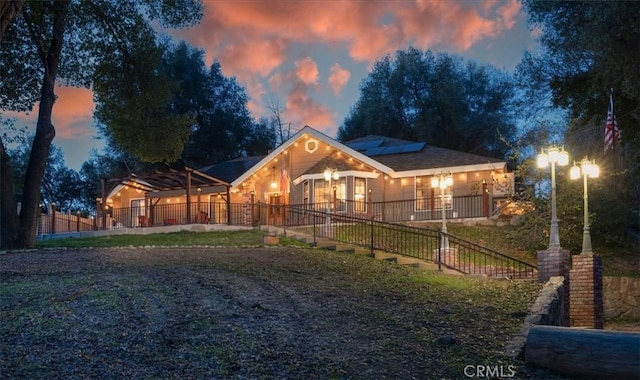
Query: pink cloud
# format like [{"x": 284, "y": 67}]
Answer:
[
  {"x": 303, "y": 110},
  {"x": 307, "y": 71},
  {"x": 338, "y": 78},
  {"x": 73, "y": 112},
  {"x": 509, "y": 13},
  {"x": 456, "y": 25},
  {"x": 245, "y": 56},
  {"x": 255, "y": 40},
  {"x": 237, "y": 32}
]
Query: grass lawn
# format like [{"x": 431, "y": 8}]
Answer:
[
  {"x": 182, "y": 238},
  {"x": 616, "y": 262},
  {"x": 249, "y": 312}
]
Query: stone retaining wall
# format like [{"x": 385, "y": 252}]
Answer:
[
  {"x": 550, "y": 308},
  {"x": 621, "y": 298}
]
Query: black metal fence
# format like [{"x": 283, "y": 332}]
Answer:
[
  {"x": 463, "y": 207},
  {"x": 471, "y": 206},
  {"x": 375, "y": 225},
  {"x": 176, "y": 213},
  {"x": 423, "y": 243}
]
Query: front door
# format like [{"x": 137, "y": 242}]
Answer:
[
  {"x": 275, "y": 209},
  {"x": 137, "y": 211}
]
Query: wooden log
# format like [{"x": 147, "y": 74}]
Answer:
[{"x": 597, "y": 354}]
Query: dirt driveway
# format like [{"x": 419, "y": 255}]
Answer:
[{"x": 271, "y": 313}]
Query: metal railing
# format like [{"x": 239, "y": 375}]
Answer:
[
  {"x": 176, "y": 213},
  {"x": 421, "y": 243},
  {"x": 463, "y": 207},
  {"x": 374, "y": 225},
  {"x": 471, "y": 206}
]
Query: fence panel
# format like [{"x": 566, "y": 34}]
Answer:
[{"x": 59, "y": 222}]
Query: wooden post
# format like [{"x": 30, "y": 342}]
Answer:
[
  {"x": 103, "y": 205},
  {"x": 77, "y": 221},
  {"x": 189, "y": 220},
  {"x": 95, "y": 220},
  {"x": 253, "y": 208},
  {"x": 596, "y": 354},
  {"x": 53, "y": 218},
  {"x": 485, "y": 199},
  {"x": 229, "y": 205}
]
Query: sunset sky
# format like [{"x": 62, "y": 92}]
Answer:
[{"x": 310, "y": 56}]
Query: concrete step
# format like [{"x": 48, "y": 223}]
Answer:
[
  {"x": 380, "y": 255},
  {"x": 345, "y": 248},
  {"x": 329, "y": 244},
  {"x": 362, "y": 251}
]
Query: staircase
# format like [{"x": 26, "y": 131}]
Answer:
[{"x": 332, "y": 245}]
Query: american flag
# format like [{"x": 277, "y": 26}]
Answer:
[
  {"x": 611, "y": 131},
  {"x": 284, "y": 179}
]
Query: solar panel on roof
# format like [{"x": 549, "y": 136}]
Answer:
[
  {"x": 394, "y": 149},
  {"x": 374, "y": 151},
  {"x": 413, "y": 147},
  {"x": 371, "y": 144}
]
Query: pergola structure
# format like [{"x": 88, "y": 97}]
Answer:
[{"x": 183, "y": 178}]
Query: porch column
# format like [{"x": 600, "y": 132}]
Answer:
[
  {"x": 103, "y": 206},
  {"x": 189, "y": 198},
  {"x": 485, "y": 199},
  {"x": 229, "y": 205}
]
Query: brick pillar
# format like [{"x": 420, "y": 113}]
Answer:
[
  {"x": 586, "y": 296},
  {"x": 553, "y": 262}
]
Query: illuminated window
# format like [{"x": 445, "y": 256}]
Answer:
[
  {"x": 423, "y": 193},
  {"x": 360, "y": 194},
  {"x": 323, "y": 194}
]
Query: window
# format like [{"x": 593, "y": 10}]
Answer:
[
  {"x": 323, "y": 194},
  {"x": 360, "y": 194},
  {"x": 446, "y": 200},
  {"x": 423, "y": 193}
]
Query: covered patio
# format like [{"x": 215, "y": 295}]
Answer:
[{"x": 174, "y": 196}]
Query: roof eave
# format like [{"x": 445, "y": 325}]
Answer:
[{"x": 320, "y": 136}]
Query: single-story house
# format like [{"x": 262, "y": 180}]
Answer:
[{"x": 374, "y": 176}]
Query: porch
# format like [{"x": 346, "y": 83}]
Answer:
[{"x": 259, "y": 213}]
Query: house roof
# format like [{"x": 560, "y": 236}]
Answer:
[
  {"x": 394, "y": 157},
  {"x": 321, "y": 137},
  {"x": 174, "y": 178},
  {"x": 231, "y": 170},
  {"x": 403, "y": 155}
]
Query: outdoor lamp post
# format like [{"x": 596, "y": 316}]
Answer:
[
  {"x": 553, "y": 156},
  {"x": 330, "y": 175},
  {"x": 443, "y": 181},
  {"x": 587, "y": 168}
]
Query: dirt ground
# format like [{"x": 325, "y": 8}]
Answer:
[{"x": 258, "y": 313}]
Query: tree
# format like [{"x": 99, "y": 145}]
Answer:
[
  {"x": 8, "y": 11},
  {"x": 52, "y": 41},
  {"x": 587, "y": 49},
  {"x": 146, "y": 102},
  {"x": 439, "y": 99},
  {"x": 223, "y": 128},
  {"x": 282, "y": 131}
]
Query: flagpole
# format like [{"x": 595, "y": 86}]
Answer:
[{"x": 615, "y": 165}]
